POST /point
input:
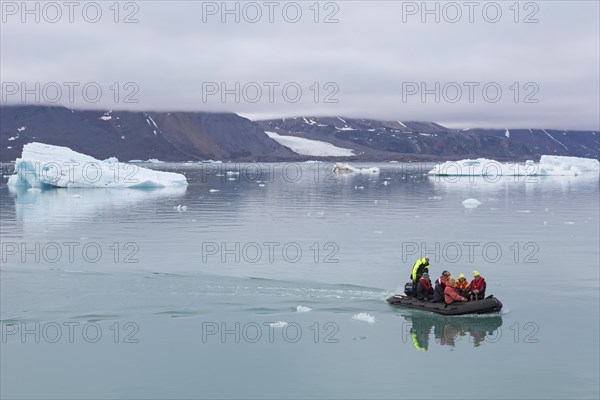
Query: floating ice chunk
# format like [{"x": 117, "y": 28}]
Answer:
[
  {"x": 385, "y": 183},
  {"x": 303, "y": 309},
  {"x": 214, "y": 190},
  {"x": 435, "y": 198},
  {"x": 364, "y": 317},
  {"x": 278, "y": 324},
  {"x": 21, "y": 129},
  {"x": 471, "y": 203},
  {"x": 231, "y": 173},
  {"x": 105, "y": 118},
  {"x": 569, "y": 223},
  {"x": 43, "y": 166},
  {"x": 548, "y": 166},
  {"x": 342, "y": 168},
  {"x": 180, "y": 208},
  {"x": 559, "y": 165}
]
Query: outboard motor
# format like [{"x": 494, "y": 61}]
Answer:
[{"x": 408, "y": 289}]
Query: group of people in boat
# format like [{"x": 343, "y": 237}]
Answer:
[{"x": 446, "y": 289}]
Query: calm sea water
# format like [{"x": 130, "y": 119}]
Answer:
[{"x": 121, "y": 293}]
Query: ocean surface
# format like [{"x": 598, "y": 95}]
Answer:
[{"x": 270, "y": 280}]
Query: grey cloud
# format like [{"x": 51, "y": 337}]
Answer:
[{"x": 369, "y": 54}]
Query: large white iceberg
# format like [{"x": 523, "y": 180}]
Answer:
[
  {"x": 43, "y": 165},
  {"x": 548, "y": 166}
]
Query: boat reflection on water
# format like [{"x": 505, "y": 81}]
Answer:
[{"x": 448, "y": 331}]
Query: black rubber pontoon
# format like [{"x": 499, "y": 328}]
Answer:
[{"x": 488, "y": 305}]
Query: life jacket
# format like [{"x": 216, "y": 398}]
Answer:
[
  {"x": 475, "y": 285},
  {"x": 461, "y": 284},
  {"x": 425, "y": 284},
  {"x": 442, "y": 282},
  {"x": 420, "y": 266}
]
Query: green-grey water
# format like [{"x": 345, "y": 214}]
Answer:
[{"x": 271, "y": 283}]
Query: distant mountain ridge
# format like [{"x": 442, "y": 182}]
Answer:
[
  {"x": 183, "y": 136},
  {"x": 169, "y": 136},
  {"x": 371, "y": 139}
]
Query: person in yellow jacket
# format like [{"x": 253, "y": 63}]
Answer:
[
  {"x": 462, "y": 285},
  {"x": 421, "y": 266}
]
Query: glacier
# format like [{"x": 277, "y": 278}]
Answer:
[
  {"x": 46, "y": 166},
  {"x": 548, "y": 166},
  {"x": 309, "y": 147}
]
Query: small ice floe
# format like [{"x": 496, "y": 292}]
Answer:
[
  {"x": 230, "y": 173},
  {"x": 180, "y": 208},
  {"x": 569, "y": 223},
  {"x": 471, "y": 203},
  {"x": 359, "y": 187},
  {"x": 342, "y": 168},
  {"x": 261, "y": 185},
  {"x": 278, "y": 324},
  {"x": 385, "y": 183},
  {"x": 76, "y": 196},
  {"x": 303, "y": 309},
  {"x": 435, "y": 198},
  {"x": 364, "y": 317},
  {"x": 214, "y": 190},
  {"x": 524, "y": 211}
]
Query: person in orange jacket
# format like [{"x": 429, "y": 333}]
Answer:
[
  {"x": 477, "y": 287},
  {"x": 450, "y": 295},
  {"x": 462, "y": 285}
]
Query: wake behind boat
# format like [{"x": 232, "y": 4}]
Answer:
[{"x": 488, "y": 305}]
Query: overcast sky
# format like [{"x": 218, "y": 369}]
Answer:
[{"x": 361, "y": 59}]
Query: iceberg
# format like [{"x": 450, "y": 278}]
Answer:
[
  {"x": 570, "y": 166},
  {"x": 548, "y": 166},
  {"x": 342, "y": 168},
  {"x": 47, "y": 166}
]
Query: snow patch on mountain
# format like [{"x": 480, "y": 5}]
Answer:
[{"x": 309, "y": 147}]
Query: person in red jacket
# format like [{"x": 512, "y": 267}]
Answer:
[
  {"x": 450, "y": 295},
  {"x": 477, "y": 287}
]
